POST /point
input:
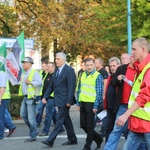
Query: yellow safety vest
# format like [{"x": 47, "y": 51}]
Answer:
[
  {"x": 87, "y": 87},
  {"x": 78, "y": 81},
  {"x": 42, "y": 81},
  {"x": 143, "y": 113},
  {"x": 7, "y": 92},
  {"x": 30, "y": 89},
  {"x": 52, "y": 94}
]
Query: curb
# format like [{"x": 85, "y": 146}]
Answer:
[{"x": 20, "y": 121}]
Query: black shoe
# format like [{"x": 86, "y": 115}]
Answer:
[
  {"x": 99, "y": 144},
  {"x": 29, "y": 140},
  {"x": 11, "y": 131},
  {"x": 43, "y": 134},
  {"x": 47, "y": 143},
  {"x": 70, "y": 143}
]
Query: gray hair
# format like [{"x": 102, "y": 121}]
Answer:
[
  {"x": 143, "y": 42},
  {"x": 62, "y": 55},
  {"x": 115, "y": 59}
]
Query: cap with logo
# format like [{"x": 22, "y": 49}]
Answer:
[{"x": 27, "y": 59}]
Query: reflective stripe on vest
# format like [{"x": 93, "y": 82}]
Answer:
[
  {"x": 30, "y": 89},
  {"x": 143, "y": 113},
  {"x": 52, "y": 94},
  {"x": 6, "y": 95},
  {"x": 42, "y": 81},
  {"x": 88, "y": 85}
]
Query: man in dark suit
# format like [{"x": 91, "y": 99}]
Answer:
[{"x": 63, "y": 86}]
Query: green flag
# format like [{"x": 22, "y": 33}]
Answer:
[
  {"x": 3, "y": 50},
  {"x": 21, "y": 44},
  {"x": 18, "y": 48},
  {"x": 2, "y": 57},
  {"x": 14, "y": 58}
]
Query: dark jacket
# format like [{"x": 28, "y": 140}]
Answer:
[
  {"x": 115, "y": 82},
  {"x": 63, "y": 87}
]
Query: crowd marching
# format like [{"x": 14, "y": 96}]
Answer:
[{"x": 121, "y": 87}]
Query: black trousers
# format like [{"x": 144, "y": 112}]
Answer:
[
  {"x": 110, "y": 121},
  {"x": 87, "y": 123}
]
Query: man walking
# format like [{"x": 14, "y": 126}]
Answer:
[
  {"x": 40, "y": 106},
  {"x": 99, "y": 65},
  {"x": 90, "y": 94},
  {"x": 139, "y": 101},
  {"x": 5, "y": 119},
  {"x": 121, "y": 102},
  {"x": 109, "y": 100},
  {"x": 63, "y": 86},
  {"x": 50, "y": 106},
  {"x": 30, "y": 80}
]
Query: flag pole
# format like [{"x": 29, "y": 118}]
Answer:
[{"x": 129, "y": 26}]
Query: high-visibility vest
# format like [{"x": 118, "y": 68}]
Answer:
[
  {"x": 87, "y": 87},
  {"x": 143, "y": 113},
  {"x": 30, "y": 89},
  {"x": 6, "y": 95},
  {"x": 42, "y": 81},
  {"x": 78, "y": 81},
  {"x": 52, "y": 94}
]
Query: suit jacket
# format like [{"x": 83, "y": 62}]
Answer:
[
  {"x": 63, "y": 87},
  {"x": 115, "y": 82}
]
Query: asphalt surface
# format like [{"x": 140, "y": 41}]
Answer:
[{"x": 16, "y": 141}]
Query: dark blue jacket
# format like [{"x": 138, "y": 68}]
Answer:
[{"x": 63, "y": 87}]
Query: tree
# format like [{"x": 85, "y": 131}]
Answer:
[
  {"x": 8, "y": 21},
  {"x": 83, "y": 27}
]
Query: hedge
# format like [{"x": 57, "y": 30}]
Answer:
[
  {"x": 15, "y": 101},
  {"x": 14, "y": 105}
]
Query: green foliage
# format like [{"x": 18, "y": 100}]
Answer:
[
  {"x": 15, "y": 104},
  {"x": 8, "y": 20},
  {"x": 15, "y": 101},
  {"x": 78, "y": 27}
]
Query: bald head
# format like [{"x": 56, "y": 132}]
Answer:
[
  {"x": 125, "y": 58},
  {"x": 140, "y": 49},
  {"x": 143, "y": 43}
]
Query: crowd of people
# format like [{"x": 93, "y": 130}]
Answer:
[{"x": 122, "y": 88}]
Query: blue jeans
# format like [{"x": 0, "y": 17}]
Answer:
[
  {"x": 135, "y": 139},
  {"x": 28, "y": 114},
  {"x": 117, "y": 131},
  {"x": 49, "y": 115},
  {"x": 3, "y": 107},
  {"x": 40, "y": 108},
  {"x": 8, "y": 120}
]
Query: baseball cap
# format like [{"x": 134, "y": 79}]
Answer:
[{"x": 27, "y": 59}]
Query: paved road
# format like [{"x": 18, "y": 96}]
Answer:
[{"x": 16, "y": 141}]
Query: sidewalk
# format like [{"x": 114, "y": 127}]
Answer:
[{"x": 19, "y": 121}]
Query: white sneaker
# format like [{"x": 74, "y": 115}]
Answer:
[{"x": 6, "y": 130}]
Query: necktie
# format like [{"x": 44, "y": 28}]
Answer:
[{"x": 57, "y": 73}]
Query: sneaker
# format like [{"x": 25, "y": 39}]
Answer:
[{"x": 6, "y": 130}]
